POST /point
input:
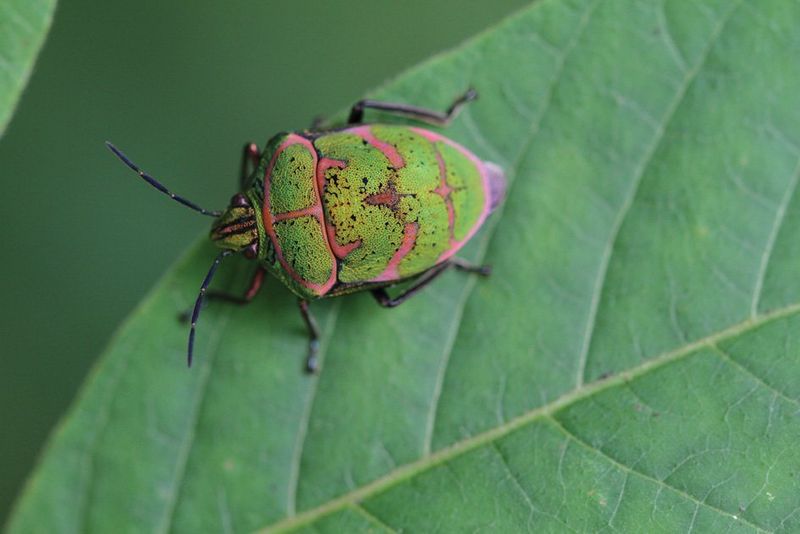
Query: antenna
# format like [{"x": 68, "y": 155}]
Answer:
[
  {"x": 198, "y": 304},
  {"x": 155, "y": 183}
]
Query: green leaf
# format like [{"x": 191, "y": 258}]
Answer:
[
  {"x": 23, "y": 27},
  {"x": 633, "y": 363}
]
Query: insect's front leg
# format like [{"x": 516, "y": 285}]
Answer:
[
  {"x": 249, "y": 295},
  {"x": 312, "y": 362}
]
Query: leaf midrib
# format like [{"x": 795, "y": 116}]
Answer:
[{"x": 542, "y": 412}]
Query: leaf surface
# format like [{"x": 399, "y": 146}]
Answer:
[
  {"x": 23, "y": 27},
  {"x": 632, "y": 364}
]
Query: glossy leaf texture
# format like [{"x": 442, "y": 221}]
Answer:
[
  {"x": 23, "y": 27},
  {"x": 632, "y": 364}
]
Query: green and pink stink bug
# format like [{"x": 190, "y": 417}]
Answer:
[{"x": 362, "y": 207}]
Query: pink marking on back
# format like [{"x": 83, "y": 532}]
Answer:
[
  {"x": 455, "y": 245},
  {"x": 388, "y": 150},
  {"x": 311, "y": 211},
  {"x": 444, "y": 190},
  {"x": 387, "y": 197},
  {"x": 409, "y": 240},
  {"x": 315, "y": 210},
  {"x": 340, "y": 251}
]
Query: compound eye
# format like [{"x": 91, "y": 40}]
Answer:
[
  {"x": 239, "y": 201},
  {"x": 251, "y": 251}
]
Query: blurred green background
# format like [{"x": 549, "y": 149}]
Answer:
[{"x": 179, "y": 86}]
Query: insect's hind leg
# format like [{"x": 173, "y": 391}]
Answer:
[
  {"x": 464, "y": 265},
  {"x": 426, "y": 278},
  {"x": 430, "y": 116}
]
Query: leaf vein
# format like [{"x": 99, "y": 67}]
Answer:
[
  {"x": 302, "y": 428},
  {"x": 513, "y": 477},
  {"x": 638, "y": 174},
  {"x": 729, "y": 359},
  {"x": 101, "y": 422},
  {"x": 372, "y": 518},
  {"x": 627, "y": 469},
  {"x": 182, "y": 460},
  {"x": 669, "y": 41},
  {"x": 534, "y": 130},
  {"x": 518, "y": 485},
  {"x": 780, "y": 216},
  {"x": 619, "y": 500}
]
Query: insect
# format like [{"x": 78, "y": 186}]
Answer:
[{"x": 361, "y": 207}]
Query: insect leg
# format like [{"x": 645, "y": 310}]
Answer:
[
  {"x": 319, "y": 122},
  {"x": 464, "y": 265},
  {"x": 437, "y": 118},
  {"x": 251, "y": 155},
  {"x": 425, "y": 278},
  {"x": 313, "y": 337},
  {"x": 249, "y": 295}
]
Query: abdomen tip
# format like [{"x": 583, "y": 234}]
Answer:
[{"x": 496, "y": 177}]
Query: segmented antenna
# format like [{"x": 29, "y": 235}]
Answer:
[
  {"x": 155, "y": 183},
  {"x": 198, "y": 304}
]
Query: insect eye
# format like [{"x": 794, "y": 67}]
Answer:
[
  {"x": 239, "y": 201},
  {"x": 251, "y": 251}
]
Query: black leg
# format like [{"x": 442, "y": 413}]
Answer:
[
  {"x": 313, "y": 337},
  {"x": 426, "y": 278},
  {"x": 426, "y": 115},
  {"x": 319, "y": 123},
  {"x": 467, "y": 267},
  {"x": 250, "y": 155},
  {"x": 249, "y": 295}
]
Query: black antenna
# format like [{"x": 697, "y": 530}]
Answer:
[
  {"x": 198, "y": 304},
  {"x": 155, "y": 183}
]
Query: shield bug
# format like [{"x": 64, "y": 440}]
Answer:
[{"x": 362, "y": 207}]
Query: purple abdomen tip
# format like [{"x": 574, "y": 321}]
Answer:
[{"x": 496, "y": 178}]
